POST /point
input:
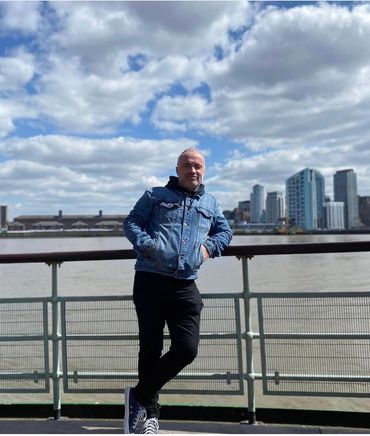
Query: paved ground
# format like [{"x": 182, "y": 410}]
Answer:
[{"x": 85, "y": 426}]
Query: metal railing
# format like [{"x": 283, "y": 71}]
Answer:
[{"x": 308, "y": 343}]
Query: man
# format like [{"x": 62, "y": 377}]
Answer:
[{"x": 173, "y": 229}]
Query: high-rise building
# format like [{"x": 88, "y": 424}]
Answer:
[
  {"x": 334, "y": 215},
  {"x": 275, "y": 207},
  {"x": 258, "y": 204},
  {"x": 364, "y": 210},
  {"x": 345, "y": 190},
  {"x": 3, "y": 217},
  {"x": 305, "y": 196}
]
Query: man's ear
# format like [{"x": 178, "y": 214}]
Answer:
[{"x": 177, "y": 171}]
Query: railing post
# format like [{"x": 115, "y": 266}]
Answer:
[
  {"x": 55, "y": 341},
  {"x": 249, "y": 343}
]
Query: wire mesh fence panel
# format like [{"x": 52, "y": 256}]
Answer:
[
  {"x": 101, "y": 316},
  {"x": 218, "y": 367},
  {"x": 100, "y": 344},
  {"x": 100, "y": 347},
  {"x": 315, "y": 345},
  {"x": 24, "y": 361}
]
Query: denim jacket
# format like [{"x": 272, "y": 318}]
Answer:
[{"x": 168, "y": 225}]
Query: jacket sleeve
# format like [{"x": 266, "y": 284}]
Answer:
[
  {"x": 220, "y": 234},
  {"x": 135, "y": 225}
]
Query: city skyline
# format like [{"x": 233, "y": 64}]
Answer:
[
  {"x": 330, "y": 194},
  {"x": 233, "y": 203},
  {"x": 305, "y": 203}
]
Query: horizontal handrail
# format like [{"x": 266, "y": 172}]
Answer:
[
  {"x": 67, "y": 256},
  {"x": 235, "y": 250}
]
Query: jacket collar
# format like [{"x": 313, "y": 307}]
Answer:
[{"x": 173, "y": 184}]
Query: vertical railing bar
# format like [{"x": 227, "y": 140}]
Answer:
[
  {"x": 239, "y": 343},
  {"x": 55, "y": 342},
  {"x": 262, "y": 344},
  {"x": 46, "y": 344},
  {"x": 64, "y": 345},
  {"x": 249, "y": 343}
]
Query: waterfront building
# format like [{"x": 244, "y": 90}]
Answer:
[
  {"x": 243, "y": 212},
  {"x": 244, "y": 205},
  {"x": 345, "y": 189},
  {"x": 305, "y": 196},
  {"x": 3, "y": 217},
  {"x": 275, "y": 207},
  {"x": 334, "y": 213},
  {"x": 258, "y": 204},
  {"x": 364, "y": 210},
  {"x": 67, "y": 222}
]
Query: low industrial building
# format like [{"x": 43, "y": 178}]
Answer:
[{"x": 67, "y": 222}]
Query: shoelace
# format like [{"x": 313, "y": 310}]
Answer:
[
  {"x": 151, "y": 426},
  {"x": 140, "y": 416}
]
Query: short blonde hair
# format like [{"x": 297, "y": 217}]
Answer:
[{"x": 188, "y": 151}]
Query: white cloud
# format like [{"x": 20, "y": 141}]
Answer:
[
  {"x": 94, "y": 30},
  {"x": 21, "y": 16},
  {"x": 16, "y": 71},
  {"x": 180, "y": 111},
  {"x": 83, "y": 173},
  {"x": 6, "y": 119},
  {"x": 299, "y": 73},
  {"x": 10, "y": 111},
  {"x": 88, "y": 103},
  {"x": 85, "y": 83},
  {"x": 88, "y": 83},
  {"x": 75, "y": 152}
]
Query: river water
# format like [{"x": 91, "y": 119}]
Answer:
[{"x": 306, "y": 272}]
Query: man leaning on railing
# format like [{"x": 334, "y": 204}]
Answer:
[{"x": 173, "y": 229}]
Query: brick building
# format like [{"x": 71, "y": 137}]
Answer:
[{"x": 67, "y": 222}]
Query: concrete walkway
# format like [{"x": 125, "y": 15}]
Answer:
[{"x": 94, "y": 426}]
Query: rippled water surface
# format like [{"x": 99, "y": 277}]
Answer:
[{"x": 307, "y": 272}]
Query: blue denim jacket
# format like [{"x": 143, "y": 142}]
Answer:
[{"x": 168, "y": 226}]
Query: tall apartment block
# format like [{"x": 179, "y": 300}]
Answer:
[
  {"x": 364, "y": 209},
  {"x": 305, "y": 196},
  {"x": 3, "y": 217},
  {"x": 334, "y": 215},
  {"x": 345, "y": 189},
  {"x": 275, "y": 207},
  {"x": 258, "y": 204}
]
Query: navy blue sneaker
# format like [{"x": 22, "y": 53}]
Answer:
[{"x": 135, "y": 413}]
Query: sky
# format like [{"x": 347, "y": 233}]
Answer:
[{"x": 97, "y": 99}]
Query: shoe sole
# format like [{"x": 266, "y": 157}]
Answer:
[{"x": 126, "y": 422}]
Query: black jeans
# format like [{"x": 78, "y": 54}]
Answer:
[{"x": 158, "y": 300}]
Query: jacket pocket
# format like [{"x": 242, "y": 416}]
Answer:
[
  {"x": 165, "y": 254},
  {"x": 167, "y": 212},
  {"x": 148, "y": 248},
  {"x": 204, "y": 218}
]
